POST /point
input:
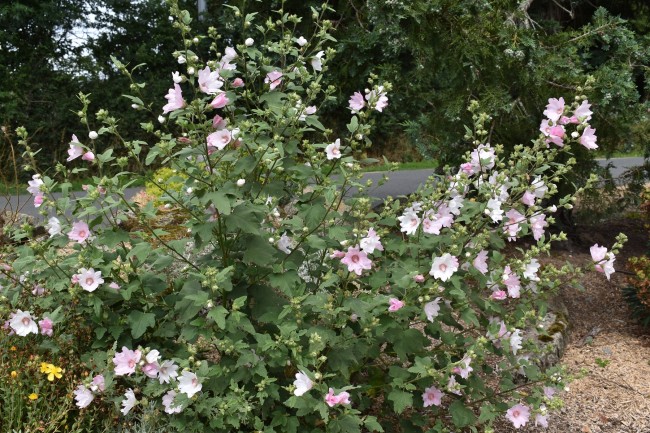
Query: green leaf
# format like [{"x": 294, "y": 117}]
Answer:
[
  {"x": 258, "y": 251},
  {"x": 401, "y": 400},
  {"x": 461, "y": 415},
  {"x": 218, "y": 314},
  {"x": 220, "y": 202},
  {"x": 372, "y": 424},
  {"x": 139, "y": 322},
  {"x": 353, "y": 125},
  {"x": 345, "y": 424}
]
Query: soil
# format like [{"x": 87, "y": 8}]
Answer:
[{"x": 608, "y": 352}]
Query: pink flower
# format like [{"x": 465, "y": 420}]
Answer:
[
  {"x": 464, "y": 369},
  {"x": 332, "y": 400},
  {"x": 468, "y": 168},
  {"x": 541, "y": 420},
  {"x": 333, "y": 150},
  {"x": 443, "y": 267},
  {"x": 512, "y": 282},
  {"x": 218, "y": 122},
  {"x": 518, "y": 415},
  {"x": 80, "y": 232},
  {"x": 89, "y": 280},
  {"x": 356, "y": 260},
  {"x": 219, "y": 139},
  {"x": 528, "y": 199},
  {"x": 237, "y": 82},
  {"x": 35, "y": 185},
  {"x": 498, "y": 295},
  {"x": 419, "y": 278},
  {"x": 549, "y": 391},
  {"x": 604, "y": 261},
  {"x": 175, "y": 99},
  {"x": 480, "y": 262},
  {"x": 434, "y": 222},
  {"x": 167, "y": 371},
  {"x": 356, "y": 102},
  {"x": 511, "y": 227},
  {"x": 75, "y": 151},
  {"x": 554, "y": 109},
  {"x": 168, "y": 403},
  {"x": 209, "y": 82},
  {"x": 377, "y": 99},
  {"x": 588, "y": 138},
  {"x": 126, "y": 361},
  {"x": 114, "y": 286},
  {"x": 98, "y": 383},
  {"x": 598, "y": 254},
  {"x": 220, "y": 101},
  {"x": 88, "y": 156},
  {"x": 395, "y": 304},
  {"x": 371, "y": 242},
  {"x": 432, "y": 396},
  {"x": 336, "y": 254},
  {"x": 46, "y": 326},
  {"x": 274, "y": 79},
  {"x": 583, "y": 113},
  {"x": 537, "y": 224},
  {"x": 483, "y": 158},
  {"x": 38, "y": 200}
]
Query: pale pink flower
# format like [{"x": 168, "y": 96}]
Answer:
[
  {"x": 98, "y": 383},
  {"x": 556, "y": 136},
  {"x": 528, "y": 198},
  {"x": 336, "y": 254},
  {"x": 356, "y": 260},
  {"x": 302, "y": 383},
  {"x": 480, "y": 262},
  {"x": 83, "y": 396},
  {"x": 80, "y": 232},
  {"x": 22, "y": 323},
  {"x": 432, "y": 397},
  {"x": 114, "y": 286},
  {"x": 273, "y": 79},
  {"x": 46, "y": 326},
  {"x": 218, "y": 122},
  {"x": 432, "y": 309},
  {"x": 419, "y": 278},
  {"x": 75, "y": 151},
  {"x": 307, "y": 111},
  {"x": 332, "y": 400},
  {"x": 549, "y": 391},
  {"x": 468, "y": 168},
  {"x": 453, "y": 386},
  {"x": 395, "y": 304},
  {"x": 88, "y": 156},
  {"x": 356, "y": 102},
  {"x": 219, "y": 139},
  {"x": 588, "y": 138},
  {"x": 531, "y": 269},
  {"x": 151, "y": 366},
  {"x": 409, "y": 222},
  {"x": 608, "y": 267},
  {"x": 38, "y": 200},
  {"x": 167, "y": 371},
  {"x": 516, "y": 341},
  {"x": 499, "y": 295},
  {"x": 53, "y": 226},
  {"x": 220, "y": 101},
  {"x": 464, "y": 368},
  {"x": 209, "y": 81},
  {"x": 237, "y": 82},
  {"x": 174, "y": 98},
  {"x": 444, "y": 267},
  {"x": 128, "y": 402},
  {"x": 285, "y": 244},
  {"x": 189, "y": 384},
  {"x": 604, "y": 261},
  {"x": 377, "y": 99},
  {"x": 229, "y": 54},
  {"x": 537, "y": 224},
  {"x": 583, "y": 113},
  {"x": 541, "y": 420},
  {"x": 371, "y": 242},
  {"x": 512, "y": 282},
  {"x": 126, "y": 361},
  {"x": 493, "y": 209},
  {"x": 519, "y": 414},
  {"x": 434, "y": 222},
  {"x": 35, "y": 185},
  {"x": 554, "y": 109},
  {"x": 89, "y": 280},
  {"x": 483, "y": 158},
  {"x": 511, "y": 227},
  {"x": 38, "y": 290},
  {"x": 74, "y": 279},
  {"x": 333, "y": 150},
  {"x": 598, "y": 254},
  {"x": 168, "y": 403}
]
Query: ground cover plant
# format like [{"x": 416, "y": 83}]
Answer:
[{"x": 282, "y": 299}]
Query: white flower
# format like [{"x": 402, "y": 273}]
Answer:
[
  {"x": 241, "y": 182},
  {"x": 168, "y": 402},
  {"x": 249, "y": 42},
  {"x": 531, "y": 269},
  {"x": 93, "y": 135},
  {"x": 515, "y": 341},
  {"x": 53, "y": 226},
  {"x": 152, "y": 356},
  {"x": 181, "y": 60},
  {"x": 371, "y": 242},
  {"x": 189, "y": 384},
  {"x": 443, "y": 267},
  {"x": 22, "y": 323},
  {"x": 83, "y": 396},
  {"x": 301, "y": 41},
  {"x": 409, "y": 222},
  {"x": 176, "y": 77},
  {"x": 89, "y": 280},
  {"x": 302, "y": 383},
  {"x": 432, "y": 309},
  {"x": 167, "y": 371},
  {"x": 35, "y": 185},
  {"x": 333, "y": 150},
  {"x": 316, "y": 61},
  {"x": 128, "y": 402}
]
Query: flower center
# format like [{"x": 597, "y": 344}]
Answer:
[
  {"x": 131, "y": 363},
  {"x": 82, "y": 233},
  {"x": 443, "y": 267},
  {"x": 89, "y": 281},
  {"x": 355, "y": 259},
  {"x": 25, "y": 321}
]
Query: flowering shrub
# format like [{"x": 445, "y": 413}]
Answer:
[{"x": 288, "y": 302}]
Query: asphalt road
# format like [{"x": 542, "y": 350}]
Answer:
[{"x": 400, "y": 183}]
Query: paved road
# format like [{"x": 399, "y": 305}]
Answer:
[{"x": 400, "y": 183}]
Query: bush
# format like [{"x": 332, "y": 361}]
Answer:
[{"x": 286, "y": 303}]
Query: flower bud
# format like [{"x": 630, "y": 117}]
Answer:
[
  {"x": 93, "y": 135},
  {"x": 249, "y": 42}
]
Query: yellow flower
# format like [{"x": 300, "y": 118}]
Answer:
[
  {"x": 51, "y": 370},
  {"x": 12, "y": 348},
  {"x": 33, "y": 396},
  {"x": 14, "y": 374}
]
